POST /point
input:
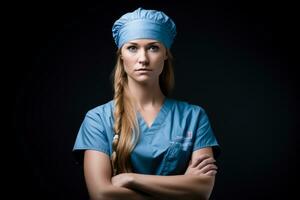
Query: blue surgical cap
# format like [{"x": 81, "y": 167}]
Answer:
[{"x": 144, "y": 24}]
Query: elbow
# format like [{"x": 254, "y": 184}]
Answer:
[
  {"x": 100, "y": 195},
  {"x": 204, "y": 196},
  {"x": 201, "y": 195},
  {"x": 197, "y": 196},
  {"x": 205, "y": 187}
]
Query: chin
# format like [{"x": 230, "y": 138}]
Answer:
[{"x": 143, "y": 80}]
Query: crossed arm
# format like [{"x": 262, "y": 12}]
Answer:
[{"x": 196, "y": 183}]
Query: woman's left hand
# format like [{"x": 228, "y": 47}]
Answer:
[
  {"x": 203, "y": 165},
  {"x": 122, "y": 180}
]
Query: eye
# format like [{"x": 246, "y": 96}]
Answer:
[
  {"x": 132, "y": 48},
  {"x": 154, "y": 48}
]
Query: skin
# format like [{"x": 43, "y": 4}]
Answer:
[
  {"x": 143, "y": 62},
  {"x": 196, "y": 183}
]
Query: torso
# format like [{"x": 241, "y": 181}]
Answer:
[{"x": 167, "y": 136}]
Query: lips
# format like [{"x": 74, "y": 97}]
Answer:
[{"x": 142, "y": 69}]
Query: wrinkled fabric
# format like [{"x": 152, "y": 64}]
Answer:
[
  {"x": 164, "y": 148},
  {"x": 144, "y": 24}
]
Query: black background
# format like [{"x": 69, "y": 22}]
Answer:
[{"x": 233, "y": 58}]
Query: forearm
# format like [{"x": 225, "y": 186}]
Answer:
[
  {"x": 116, "y": 193},
  {"x": 174, "y": 187}
]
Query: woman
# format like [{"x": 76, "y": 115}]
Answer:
[{"x": 142, "y": 144}]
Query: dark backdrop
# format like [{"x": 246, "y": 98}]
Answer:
[{"x": 232, "y": 58}]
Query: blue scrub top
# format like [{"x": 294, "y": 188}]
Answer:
[{"x": 165, "y": 148}]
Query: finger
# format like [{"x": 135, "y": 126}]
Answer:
[
  {"x": 208, "y": 168},
  {"x": 206, "y": 162},
  {"x": 199, "y": 159},
  {"x": 211, "y": 173}
]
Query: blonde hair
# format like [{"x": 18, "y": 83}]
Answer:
[{"x": 125, "y": 122}]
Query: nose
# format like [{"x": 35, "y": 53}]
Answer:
[{"x": 143, "y": 57}]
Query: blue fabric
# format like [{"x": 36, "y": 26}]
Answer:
[
  {"x": 144, "y": 24},
  {"x": 165, "y": 148}
]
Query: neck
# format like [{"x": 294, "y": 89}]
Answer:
[{"x": 146, "y": 95}]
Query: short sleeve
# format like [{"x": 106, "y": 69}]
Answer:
[
  {"x": 91, "y": 135},
  {"x": 205, "y": 136}
]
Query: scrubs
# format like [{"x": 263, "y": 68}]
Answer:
[{"x": 164, "y": 148}]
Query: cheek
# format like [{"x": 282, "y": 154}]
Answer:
[
  {"x": 128, "y": 61},
  {"x": 127, "y": 67},
  {"x": 160, "y": 64},
  {"x": 161, "y": 69}
]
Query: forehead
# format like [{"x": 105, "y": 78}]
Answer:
[{"x": 143, "y": 42}]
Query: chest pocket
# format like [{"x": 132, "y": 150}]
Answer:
[{"x": 177, "y": 156}]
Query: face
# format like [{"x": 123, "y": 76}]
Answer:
[{"x": 143, "y": 60}]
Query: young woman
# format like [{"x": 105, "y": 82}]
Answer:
[{"x": 143, "y": 144}]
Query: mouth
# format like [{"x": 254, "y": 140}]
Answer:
[{"x": 142, "y": 69}]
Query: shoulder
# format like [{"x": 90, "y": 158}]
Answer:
[
  {"x": 185, "y": 106},
  {"x": 105, "y": 109}
]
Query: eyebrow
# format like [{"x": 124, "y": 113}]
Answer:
[{"x": 146, "y": 44}]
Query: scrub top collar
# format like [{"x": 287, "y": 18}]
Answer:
[{"x": 159, "y": 119}]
